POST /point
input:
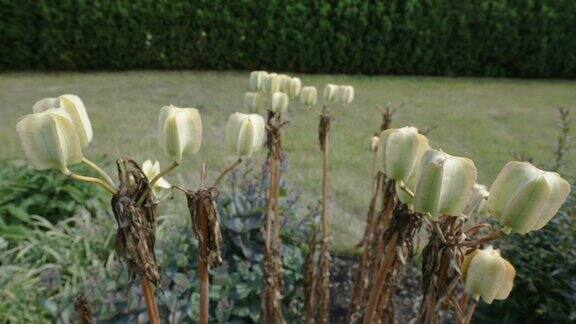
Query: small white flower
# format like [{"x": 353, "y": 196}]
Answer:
[{"x": 151, "y": 170}]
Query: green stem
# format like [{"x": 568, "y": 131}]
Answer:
[
  {"x": 163, "y": 172},
  {"x": 228, "y": 169},
  {"x": 99, "y": 170},
  {"x": 97, "y": 181}
]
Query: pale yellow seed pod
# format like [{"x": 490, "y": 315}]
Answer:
[
  {"x": 257, "y": 80},
  {"x": 151, "y": 170},
  {"x": 279, "y": 102},
  {"x": 444, "y": 185},
  {"x": 344, "y": 94},
  {"x": 330, "y": 92},
  {"x": 76, "y": 111},
  {"x": 295, "y": 87},
  {"x": 486, "y": 274},
  {"x": 309, "y": 96},
  {"x": 245, "y": 133},
  {"x": 524, "y": 198},
  {"x": 49, "y": 141},
  {"x": 180, "y": 131},
  {"x": 271, "y": 83},
  {"x": 399, "y": 150},
  {"x": 254, "y": 102}
]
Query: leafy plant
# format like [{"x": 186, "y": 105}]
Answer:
[
  {"x": 25, "y": 192},
  {"x": 51, "y": 264}
]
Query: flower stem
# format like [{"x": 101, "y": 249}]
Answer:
[
  {"x": 385, "y": 269},
  {"x": 204, "y": 251},
  {"x": 93, "y": 180},
  {"x": 99, "y": 170},
  {"x": 225, "y": 171},
  {"x": 148, "y": 292},
  {"x": 164, "y": 172}
]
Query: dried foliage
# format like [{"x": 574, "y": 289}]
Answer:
[
  {"x": 271, "y": 311},
  {"x": 441, "y": 268},
  {"x": 398, "y": 240},
  {"x": 206, "y": 224},
  {"x": 134, "y": 208}
]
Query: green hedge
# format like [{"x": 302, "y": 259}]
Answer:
[{"x": 514, "y": 38}]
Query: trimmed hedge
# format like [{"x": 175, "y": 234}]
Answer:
[{"x": 512, "y": 38}]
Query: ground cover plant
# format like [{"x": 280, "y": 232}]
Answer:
[{"x": 416, "y": 187}]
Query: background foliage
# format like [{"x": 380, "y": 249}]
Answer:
[
  {"x": 49, "y": 265},
  {"x": 25, "y": 192},
  {"x": 524, "y": 38}
]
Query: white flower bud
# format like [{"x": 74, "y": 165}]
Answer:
[
  {"x": 445, "y": 184},
  {"x": 257, "y": 80},
  {"x": 330, "y": 92},
  {"x": 49, "y": 141},
  {"x": 254, "y": 101},
  {"x": 245, "y": 133},
  {"x": 285, "y": 82},
  {"x": 486, "y": 274},
  {"x": 524, "y": 198},
  {"x": 399, "y": 150},
  {"x": 279, "y": 102},
  {"x": 271, "y": 83},
  {"x": 151, "y": 170},
  {"x": 309, "y": 96},
  {"x": 294, "y": 87},
  {"x": 180, "y": 131},
  {"x": 344, "y": 94},
  {"x": 74, "y": 106}
]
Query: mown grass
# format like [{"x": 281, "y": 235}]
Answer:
[{"x": 484, "y": 119}]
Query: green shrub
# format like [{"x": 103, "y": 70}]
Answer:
[
  {"x": 25, "y": 192},
  {"x": 522, "y": 38}
]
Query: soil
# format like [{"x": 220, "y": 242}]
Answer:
[{"x": 407, "y": 299}]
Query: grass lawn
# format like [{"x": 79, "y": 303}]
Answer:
[{"x": 484, "y": 119}]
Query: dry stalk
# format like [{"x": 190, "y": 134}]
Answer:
[
  {"x": 364, "y": 276},
  {"x": 83, "y": 310},
  {"x": 310, "y": 270},
  {"x": 271, "y": 311},
  {"x": 206, "y": 227},
  {"x": 323, "y": 309},
  {"x": 441, "y": 268},
  {"x": 134, "y": 208},
  {"x": 399, "y": 242}
]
